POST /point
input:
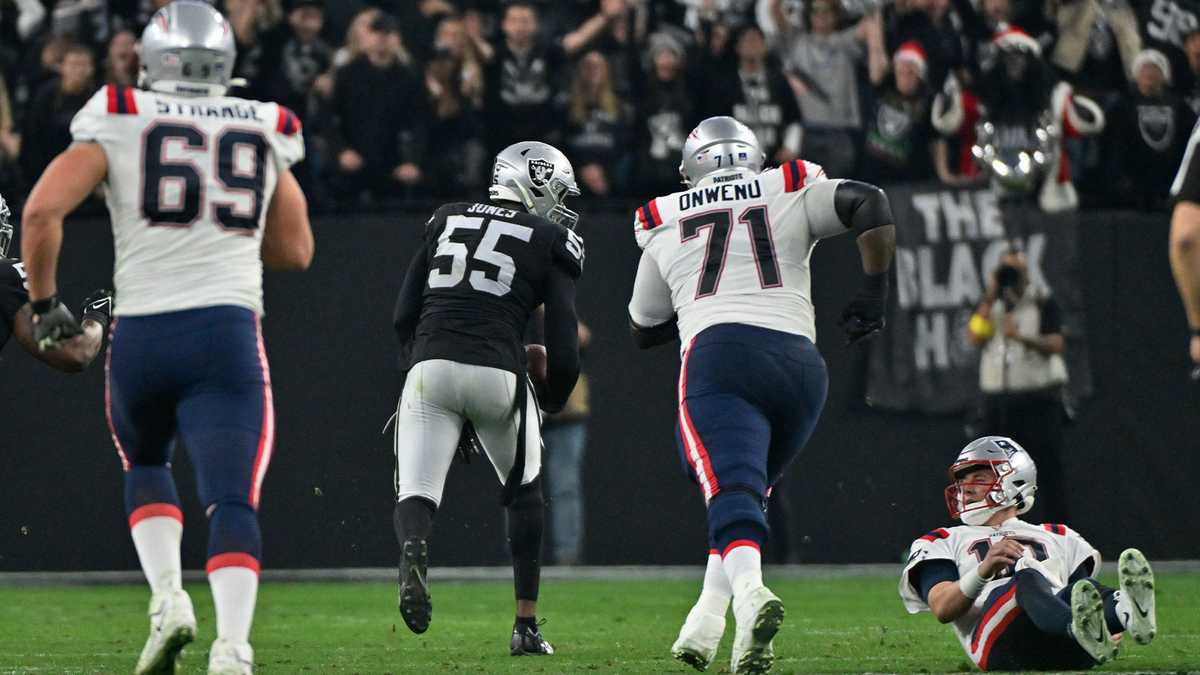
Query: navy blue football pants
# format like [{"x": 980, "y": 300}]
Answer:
[
  {"x": 199, "y": 377},
  {"x": 749, "y": 399}
]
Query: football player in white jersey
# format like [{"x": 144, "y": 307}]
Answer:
[
  {"x": 201, "y": 196},
  {"x": 1021, "y": 596},
  {"x": 725, "y": 267}
]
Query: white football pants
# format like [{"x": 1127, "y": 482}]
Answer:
[{"x": 438, "y": 397}]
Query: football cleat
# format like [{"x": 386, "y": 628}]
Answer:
[
  {"x": 699, "y": 638},
  {"x": 172, "y": 627},
  {"x": 527, "y": 640},
  {"x": 415, "y": 605},
  {"x": 1136, "y": 607},
  {"x": 1087, "y": 622},
  {"x": 759, "y": 615},
  {"x": 230, "y": 658}
]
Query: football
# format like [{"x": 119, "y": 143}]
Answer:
[{"x": 535, "y": 364}]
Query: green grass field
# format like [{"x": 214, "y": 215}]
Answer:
[{"x": 833, "y": 625}]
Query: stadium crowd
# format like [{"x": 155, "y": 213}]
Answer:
[{"x": 404, "y": 99}]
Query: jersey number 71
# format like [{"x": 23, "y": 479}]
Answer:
[
  {"x": 721, "y": 223},
  {"x": 173, "y": 188}
]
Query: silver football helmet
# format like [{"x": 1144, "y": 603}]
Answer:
[
  {"x": 539, "y": 177},
  {"x": 6, "y": 228},
  {"x": 187, "y": 48},
  {"x": 1013, "y": 479},
  {"x": 718, "y": 145}
]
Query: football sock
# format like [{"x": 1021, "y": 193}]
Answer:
[
  {"x": 714, "y": 597},
  {"x": 742, "y": 563},
  {"x": 530, "y": 621},
  {"x": 413, "y": 517},
  {"x": 157, "y": 530},
  {"x": 155, "y": 524},
  {"x": 1050, "y": 613},
  {"x": 234, "y": 589},
  {"x": 1115, "y": 607},
  {"x": 526, "y": 519}
]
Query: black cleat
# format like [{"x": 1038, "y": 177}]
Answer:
[
  {"x": 527, "y": 640},
  {"x": 415, "y": 605}
]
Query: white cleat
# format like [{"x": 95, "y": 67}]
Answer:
[
  {"x": 230, "y": 658},
  {"x": 1137, "y": 595},
  {"x": 699, "y": 638},
  {"x": 759, "y": 615},
  {"x": 172, "y": 627},
  {"x": 1087, "y": 622}
]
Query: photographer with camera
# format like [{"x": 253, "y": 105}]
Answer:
[{"x": 1022, "y": 371}]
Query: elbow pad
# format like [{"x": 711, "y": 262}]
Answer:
[{"x": 862, "y": 206}]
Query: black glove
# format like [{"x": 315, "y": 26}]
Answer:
[
  {"x": 862, "y": 319},
  {"x": 53, "y": 323},
  {"x": 97, "y": 307}
]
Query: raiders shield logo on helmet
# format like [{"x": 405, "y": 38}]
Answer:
[{"x": 540, "y": 171}]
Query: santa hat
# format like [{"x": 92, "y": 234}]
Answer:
[
  {"x": 912, "y": 52},
  {"x": 1153, "y": 57},
  {"x": 1015, "y": 38}
]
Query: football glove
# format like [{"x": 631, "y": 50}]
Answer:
[
  {"x": 97, "y": 307},
  {"x": 863, "y": 319},
  {"x": 53, "y": 324}
]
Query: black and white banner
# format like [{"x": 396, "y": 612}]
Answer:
[{"x": 948, "y": 241}]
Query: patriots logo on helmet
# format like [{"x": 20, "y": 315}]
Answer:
[{"x": 540, "y": 171}]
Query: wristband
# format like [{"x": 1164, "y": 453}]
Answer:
[
  {"x": 971, "y": 584},
  {"x": 99, "y": 317},
  {"x": 44, "y": 305}
]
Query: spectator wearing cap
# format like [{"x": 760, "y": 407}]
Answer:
[
  {"x": 378, "y": 118},
  {"x": 523, "y": 70},
  {"x": 1147, "y": 135},
  {"x": 899, "y": 135},
  {"x": 913, "y": 21},
  {"x": 760, "y": 97},
  {"x": 598, "y": 126},
  {"x": 822, "y": 68},
  {"x": 1097, "y": 41},
  {"x": 666, "y": 112},
  {"x": 47, "y": 125}
]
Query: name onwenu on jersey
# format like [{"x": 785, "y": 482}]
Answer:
[{"x": 718, "y": 193}]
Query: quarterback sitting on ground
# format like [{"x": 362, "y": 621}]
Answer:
[{"x": 1021, "y": 596}]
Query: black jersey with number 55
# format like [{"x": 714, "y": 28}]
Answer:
[
  {"x": 13, "y": 295},
  {"x": 482, "y": 269}
]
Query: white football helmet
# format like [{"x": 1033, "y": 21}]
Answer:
[
  {"x": 719, "y": 145},
  {"x": 1014, "y": 479},
  {"x": 187, "y": 48},
  {"x": 539, "y": 177}
]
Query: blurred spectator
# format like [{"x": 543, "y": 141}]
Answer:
[
  {"x": 899, "y": 134},
  {"x": 1191, "y": 50},
  {"x": 955, "y": 113},
  {"x": 912, "y": 21},
  {"x": 1096, "y": 44},
  {"x": 379, "y": 115},
  {"x": 84, "y": 21},
  {"x": 454, "y": 80},
  {"x": 10, "y": 143},
  {"x": 1147, "y": 135},
  {"x": 286, "y": 61},
  {"x": 623, "y": 41},
  {"x": 121, "y": 59},
  {"x": 758, "y": 95},
  {"x": 419, "y": 21},
  {"x": 1022, "y": 371},
  {"x": 523, "y": 73},
  {"x": 250, "y": 19},
  {"x": 47, "y": 128},
  {"x": 565, "y": 437},
  {"x": 822, "y": 67},
  {"x": 666, "y": 114},
  {"x": 598, "y": 127}
]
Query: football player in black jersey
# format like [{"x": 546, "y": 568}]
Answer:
[
  {"x": 461, "y": 317},
  {"x": 16, "y": 316}
]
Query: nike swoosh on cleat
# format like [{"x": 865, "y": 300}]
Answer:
[{"x": 1138, "y": 607}]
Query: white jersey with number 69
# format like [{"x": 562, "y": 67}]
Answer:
[
  {"x": 188, "y": 186},
  {"x": 734, "y": 250}
]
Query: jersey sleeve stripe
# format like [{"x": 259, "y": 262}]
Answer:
[
  {"x": 111, "y": 90},
  {"x": 643, "y": 221},
  {"x": 1060, "y": 530},
  {"x": 130, "y": 101},
  {"x": 654, "y": 213},
  {"x": 789, "y": 180},
  {"x": 120, "y": 100},
  {"x": 939, "y": 533},
  {"x": 286, "y": 122}
]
